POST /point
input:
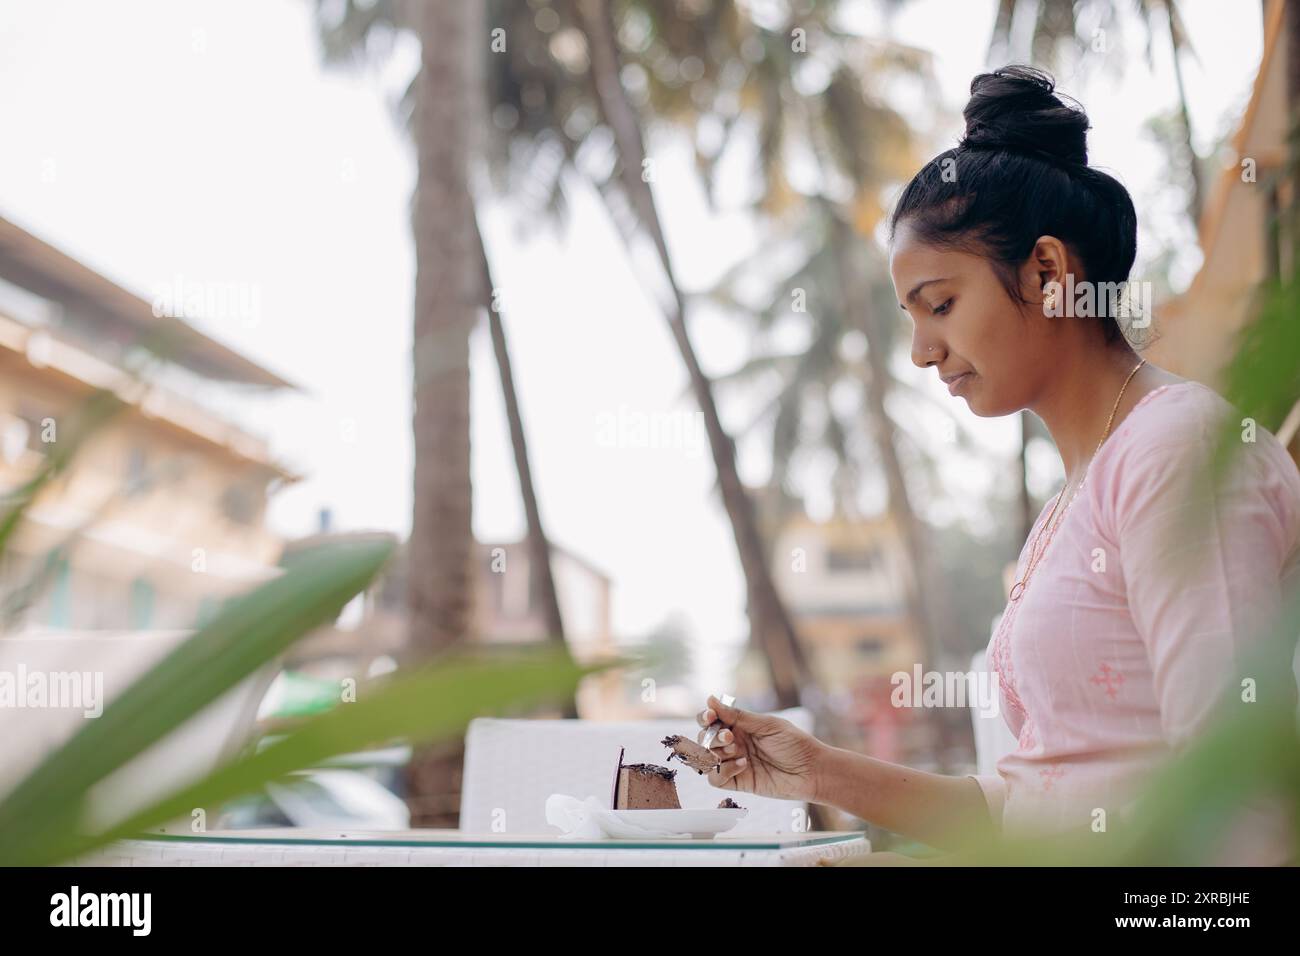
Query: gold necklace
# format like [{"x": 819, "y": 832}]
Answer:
[{"x": 1035, "y": 554}]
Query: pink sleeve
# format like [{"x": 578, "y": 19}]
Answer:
[
  {"x": 995, "y": 794},
  {"x": 1202, "y": 569}
]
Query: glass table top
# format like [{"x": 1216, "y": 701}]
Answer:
[{"x": 296, "y": 836}]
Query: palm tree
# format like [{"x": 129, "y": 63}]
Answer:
[
  {"x": 542, "y": 579},
  {"x": 1057, "y": 27},
  {"x": 446, "y": 310},
  {"x": 453, "y": 281},
  {"x": 558, "y": 77},
  {"x": 848, "y": 303},
  {"x": 770, "y": 624},
  {"x": 860, "y": 146},
  {"x": 714, "y": 70},
  {"x": 853, "y": 127},
  {"x": 440, "y": 583}
]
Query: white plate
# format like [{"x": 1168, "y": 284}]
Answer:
[{"x": 640, "y": 824}]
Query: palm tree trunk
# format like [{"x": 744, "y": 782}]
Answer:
[
  {"x": 1000, "y": 44},
  {"x": 884, "y": 433},
  {"x": 542, "y": 580},
  {"x": 1196, "y": 201},
  {"x": 770, "y": 624},
  {"x": 440, "y": 557},
  {"x": 885, "y": 437},
  {"x": 922, "y": 592}
]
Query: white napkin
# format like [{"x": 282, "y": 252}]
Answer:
[{"x": 590, "y": 819}]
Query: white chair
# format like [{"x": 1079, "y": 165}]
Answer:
[
  {"x": 111, "y": 661},
  {"x": 512, "y": 766}
]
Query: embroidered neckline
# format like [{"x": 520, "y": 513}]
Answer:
[{"x": 1000, "y": 648}]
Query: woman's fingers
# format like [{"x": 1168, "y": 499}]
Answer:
[
  {"x": 723, "y": 737},
  {"x": 705, "y": 719},
  {"x": 728, "y": 770}
]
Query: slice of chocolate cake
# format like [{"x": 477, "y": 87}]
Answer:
[
  {"x": 644, "y": 786},
  {"x": 696, "y": 756}
]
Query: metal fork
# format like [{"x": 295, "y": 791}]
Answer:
[{"x": 712, "y": 730}]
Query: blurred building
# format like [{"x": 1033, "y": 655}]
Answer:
[
  {"x": 1238, "y": 238},
  {"x": 507, "y": 612},
  {"x": 844, "y": 583},
  {"x": 161, "y": 514}
]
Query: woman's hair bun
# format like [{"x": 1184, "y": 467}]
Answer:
[
  {"x": 1017, "y": 109},
  {"x": 1020, "y": 173}
]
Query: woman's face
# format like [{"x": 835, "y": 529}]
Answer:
[{"x": 965, "y": 323}]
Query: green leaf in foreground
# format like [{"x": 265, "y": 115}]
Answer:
[
  {"x": 434, "y": 703},
  {"x": 245, "y": 635}
]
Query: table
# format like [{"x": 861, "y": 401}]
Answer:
[{"x": 304, "y": 847}]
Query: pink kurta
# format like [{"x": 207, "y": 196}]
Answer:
[{"x": 1113, "y": 658}]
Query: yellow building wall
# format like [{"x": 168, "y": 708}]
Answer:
[{"x": 172, "y": 549}]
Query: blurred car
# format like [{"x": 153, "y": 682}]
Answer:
[{"x": 329, "y": 799}]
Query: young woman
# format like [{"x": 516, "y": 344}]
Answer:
[{"x": 1125, "y": 621}]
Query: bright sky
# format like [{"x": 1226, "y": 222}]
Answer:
[{"x": 204, "y": 142}]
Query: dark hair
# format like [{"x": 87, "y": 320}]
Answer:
[{"x": 1020, "y": 172}]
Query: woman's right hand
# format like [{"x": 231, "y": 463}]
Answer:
[{"x": 762, "y": 754}]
